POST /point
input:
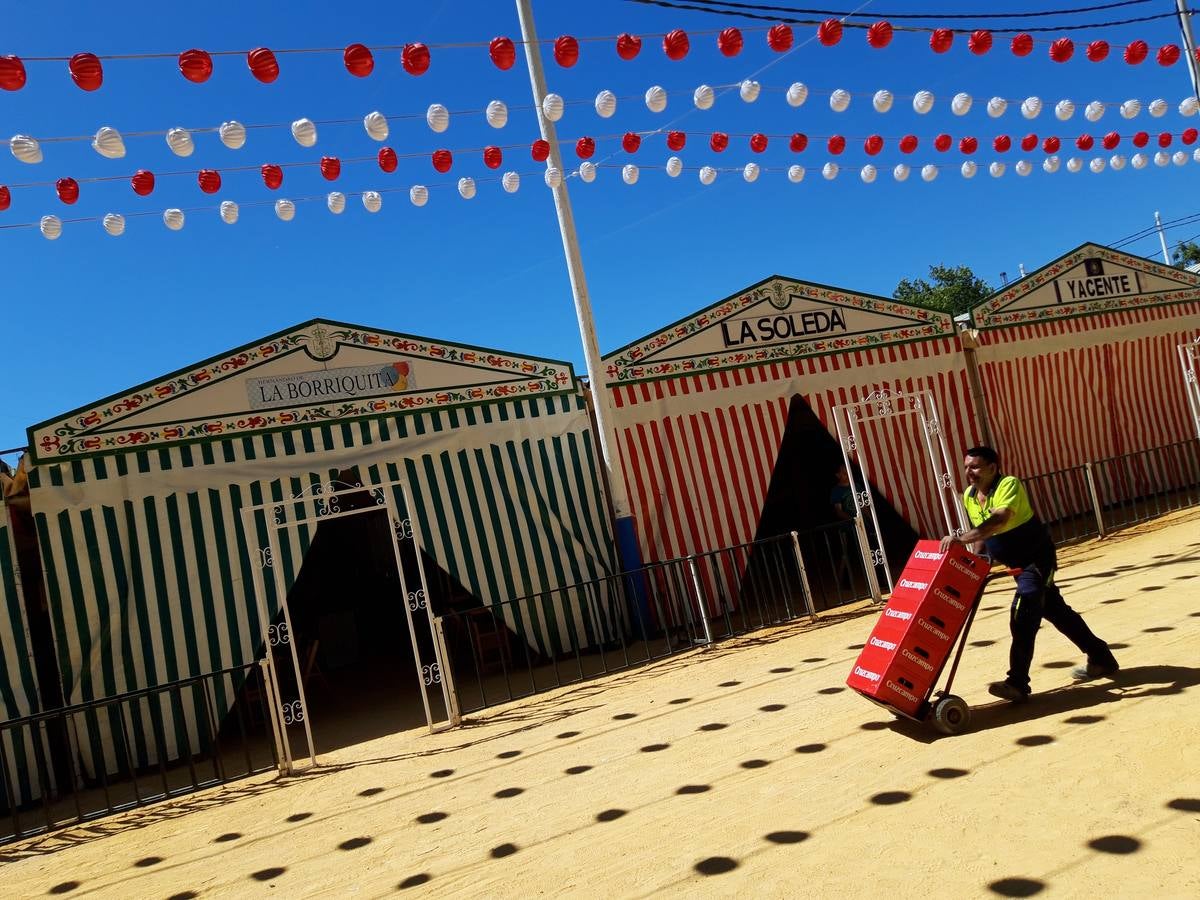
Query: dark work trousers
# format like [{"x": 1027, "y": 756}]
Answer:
[{"x": 1036, "y": 599}]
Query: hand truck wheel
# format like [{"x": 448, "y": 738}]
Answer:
[{"x": 951, "y": 714}]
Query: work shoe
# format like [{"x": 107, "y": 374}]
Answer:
[
  {"x": 1093, "y": 670},
  {"x": 1006, "y": 690}
]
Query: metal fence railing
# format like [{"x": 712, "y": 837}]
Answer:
[
  {"x": 1136, "y": 487},
  {"x": 1065, "y": 501},
  {"x": 81, "y": 762}
]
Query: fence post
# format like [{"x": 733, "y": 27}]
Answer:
[
  {"x": 1089, "y": 475},
  {"x": 808, "y": 601},
  {"x": 700, "y": 599},
  {"x": 443, "y": 655}
]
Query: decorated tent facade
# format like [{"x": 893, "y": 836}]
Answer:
[{"x": 138, "y": 497}]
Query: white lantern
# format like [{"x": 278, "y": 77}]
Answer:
[
  {"x": 418, "y": 195},
  {"x": 704, "y": 97},
  {"x": 1158, "y": 108},
  {"x": 968, "y": 169},
  {"x": 656, "y": 99},
  {"x": 466, "y": 188},
  {"x": 552, "y": 107},
  {"x": 1064, "y": 109},
  {"x": 1117, "y": 162},
  {"x": 1139, "y": 160},
  {"x": 839, "y": 100},
  {"x": 707, "y": 175},
  {"x": 795, "y": 174},
  {"x": 829, "y": 171},
  {"x": 376, "y": 124},
  {"x": 1162, "y": 158},
  {"x": 1031, "y": 107},
  {"x": 552, "y": 177},
  {"x": 51, "y": 227},
  {"x": 929, "y": 172},
  {"x": 1180, "y": 158},
  {"x": 674, "y": 166},
  {"x": 960, "y": 104},
  {"x": 229, "y": 212},
  {"x": 797, "y": 93},
  {"x": 749, "y": 90},
  {"x": 629, "y": 174},
  {"x": 1074, "y": 164},
  {"x": 372, "y": 201},
  {"x": 1130, "y": 108},
  {"x": 1097, "y": 165},
  {"x": 180, "y": 142},
  {"x": 901, "y": 172},
  {"x": 868, "y": 173},
  {"x": 996, "y": 169},
  {"x": 587, "y": 172},
  {"x": 606, "y": 104},
  {"x": 1094, "y": 111},
  {"x": 497, "y": 112},
  {"x": 1196, "y": 154},
  {"x": 26, "y": 149},
  {"x": 114, "y": 224},
  {"x": 173, "y": 219},
  {"x": 922, "y": 102},
  {"x": 882, "y": 101},
  {"x": 233, "y": 134},
  {"x": 1050, "y": 164},
  {"x": 750, "y": 172},
  {"x": 437, "y": 117},
  {"x": 305, "y": 132},
  {"x": 336, "y": 201},
  {"x": 1023, "y": 167},
  {"x": 1188, "y": 106},
  {"x": 285, "y": 209},
  {"x": 996, "y": 107},
  {"x": 108, "y": 143},
  {"x": 511, "y": 182}
]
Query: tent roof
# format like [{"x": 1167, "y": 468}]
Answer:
[
  {"x": 775, "y": 320},
  {"x": 1091, "y": 279},
  {"x": 319, "y": 371}
]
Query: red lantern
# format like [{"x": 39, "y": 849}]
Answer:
[
  {"x": 388, "y": 159},
  {"x": 1051, "y": 144},
  {"x": 503, "y": 52},
  {"x": 719, "y": 141},
  {"x": 493, "y": 157},
  {"x": 675, "y": 44},
  {"x": 779, "y": 38},
  {"x": 12, "y": 73},
  {"x": 941, "y": 40},
  {"x": 1097, "y": 51},
  {"x": 1168, "y": 55},
  {"x": 584, "y": 148},
  {"x": 263, "y": 64},
  {"x": 729, "y": 42},
  {"x": 908, "y": 143},
  {"x": 415, "y": 58},
  {"x": 1022, "y": 45},
  {"x": 566, "y": 51},
  {"x": 798, "y": 143},
  {"x": 358, "y": 60},
  {"x": 1110, "y": 140},
  {"x": 68, "y": 190},
  {"x": 539, "y": 150},
  {"x": 195, "y": 65},
  {"x": 331, "y": 167},
  {"x": 980, "y": 42},
  {"x": 1189, "y": 136},
  {"x": 1001, "y": 143},
  {"x": 758, "y": 142},
  {"x": 1062, "y": 50},
  {"x": 86, "y": 71},
  {"x": 631, "y": 142},
  {"x": 873, "y": 144},
  {"x": 1085, "y": 142},
  {"x": 836, "y": 144},
  {"x": 1136, "y": 52},
  {"x": 829, "y": 32},
  {"x": 968, "y": 145},
  {"x": 676, "y": 140},
  {"x": 142, "y": 182},
  {"x": 209, "y": 180},
  {"x": 1164, "y": 139},
  {"x": 879, "y": 35},
  {"x": 442, "y": 160},
  {"x": 942, "y": 143},
  {"x": 272, "y": 176},
  {"x": 5, "y": 197},
  {"x": 628, "y": 46},
  {"x": 1029, "y": 142},
  {"x": 1141, "y": 139}
]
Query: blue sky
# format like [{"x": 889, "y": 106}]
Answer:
[{"x": 89, "y": 315}]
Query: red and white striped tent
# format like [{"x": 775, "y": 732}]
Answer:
[
  {"x": 1078, "y": 360},
  {"x": 702, "y": 404}
]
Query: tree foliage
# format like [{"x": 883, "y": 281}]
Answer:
[
  {"x": 953, "y": 289},
  {"x": 1186, "y": 254}
]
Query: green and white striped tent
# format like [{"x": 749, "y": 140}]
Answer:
[{"x": 138, "y": 499}]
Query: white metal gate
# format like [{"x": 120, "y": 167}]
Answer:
[
  {"x": 1189, "y": 360},
  {"x": 320, "y": 503},
  {"x": 852, "y": 421}
]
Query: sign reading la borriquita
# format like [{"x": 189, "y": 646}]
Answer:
[
  {"x": 302, "y": 388},
  {"x": 783, "y": 327}
]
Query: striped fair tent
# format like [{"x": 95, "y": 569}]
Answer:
[{"x": 138, "y": 500}]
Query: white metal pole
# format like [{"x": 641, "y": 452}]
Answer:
[
  {"x": 1162, "y": 238},
  {"x": 1189, "y": 44},
  {"x": 601, "y": 399}
]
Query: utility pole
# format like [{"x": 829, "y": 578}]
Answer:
[
  {"x": 1189, "y": 44},
  {"x": 626, "y": 534},
  {"x": 1162, "y": 238}
]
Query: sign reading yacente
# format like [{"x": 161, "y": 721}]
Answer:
[
  {"x": 328, "y": 384},
  {"x": 768, "y": 329},
  {"x": 1096, "y": 283}
]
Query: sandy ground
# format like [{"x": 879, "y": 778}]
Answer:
[{"x": 743, "y": 769}]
